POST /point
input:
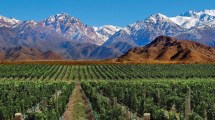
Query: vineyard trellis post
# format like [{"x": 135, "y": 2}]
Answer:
[
  {"x": 115, "y": 101},
  {"x": 188, "y": 110},
  {"x": 127, "y": 113},
  {"x": 101, "y": 92},
  {"x": 18, "y": 116},
  {"x": 205, "y": 114},
  {"x": 159, "y": 96},
  {"x": 146, "y": 116},
  {"x": 56, "y": 100}
]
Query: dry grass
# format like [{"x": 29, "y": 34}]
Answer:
[
  {"x": 63, "y": 62},
  {"x": 69, "y": 62}
]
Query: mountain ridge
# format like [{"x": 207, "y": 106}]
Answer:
[{"x": 143, "y": 32}]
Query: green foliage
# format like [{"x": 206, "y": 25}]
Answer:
[
  {"x": 24, "y": 96},
  {"x": 142, "y": 96},
  {"x": 102, "y": 106}
]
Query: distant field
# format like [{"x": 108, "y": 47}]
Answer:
[
  {"x": 106, "y": 71},
  {"x": 111, "y": 61},
  {"x": 113, "y": 91}
]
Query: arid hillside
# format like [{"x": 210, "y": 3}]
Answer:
[
  {"x": 23, "y": 53},
  {"x": 168, "y": 49}
]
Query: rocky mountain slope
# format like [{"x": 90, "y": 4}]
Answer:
[
  {"x": 106, "y": 31},
  {"x": 21, "y": 53},
  {"x": 72, "y": 28},
  {"x": 168, "y": 49},
  {"x": 142, "y": 32}
]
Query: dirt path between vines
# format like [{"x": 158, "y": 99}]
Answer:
[{"x": 75, "y": 108}]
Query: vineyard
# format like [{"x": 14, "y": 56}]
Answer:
[
  {"x": 106, "y": 72},
  {"x": 164, "y": 99},
  {"x": 38, "y": 100},
  {"x": 109, "y": 91}
]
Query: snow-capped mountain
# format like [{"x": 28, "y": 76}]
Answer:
[
  {"x": 106, "y": 31},
  {"x": 195, "y": 18},
  {"x": 142, "y": 32},
  {"x": 64, "y": 24},
  {"x": 183, "y": 26},
  {"x": 72, "y": 28}
]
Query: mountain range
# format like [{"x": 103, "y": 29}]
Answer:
[{"x": 66, "y": 37}]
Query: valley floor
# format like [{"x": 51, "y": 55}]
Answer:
[{"x": 72, "y": 62}]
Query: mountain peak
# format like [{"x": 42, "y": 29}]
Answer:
[
  {"x": 157, "y": 17},
  {"x": 6, "y": 18},
  {"x": 198, "y": 13},
  {"x": 162, "y": 39},
  {"x": 210, "y": 12},
  {"x": 62, "y": 14},
  {"x": 188, "y": 13},
  {"x": 7, "y": 22},
  {"x": 59, "y": 17}
]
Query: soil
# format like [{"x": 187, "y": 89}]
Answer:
[{"x": 75, "y": 108}]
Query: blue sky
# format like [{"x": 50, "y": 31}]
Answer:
[{"x": 100, "y": 12}]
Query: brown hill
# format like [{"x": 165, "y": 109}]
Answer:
[
  {"x": 50, "y": 55},
  {"x": 168, "y": 49},
  {"x": 24, "y": 53}
]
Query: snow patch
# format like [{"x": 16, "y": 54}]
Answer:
[
  {"x": 8, "y": 22},
  {"x": 195, "y": 18}
]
